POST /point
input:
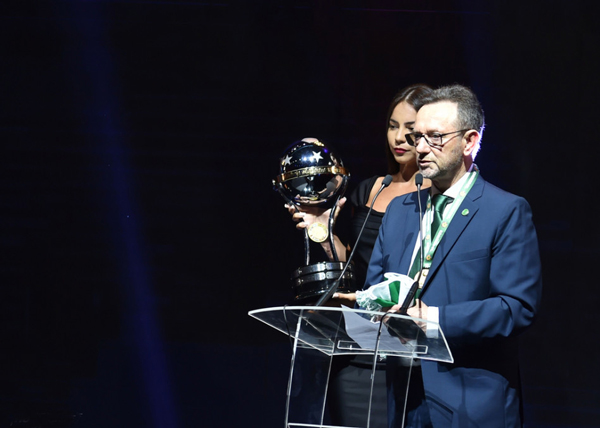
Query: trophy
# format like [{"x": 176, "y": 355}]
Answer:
[{"x": 312, "y": 175}]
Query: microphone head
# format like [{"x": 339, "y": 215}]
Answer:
[
  {"x": 419, "y": 179},
  {"x": 388, "y": 179}
]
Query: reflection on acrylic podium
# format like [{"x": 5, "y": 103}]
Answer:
[{"x": 319, "y": 333}]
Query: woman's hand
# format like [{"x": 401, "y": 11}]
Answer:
[
  {"x": 304, "y": 215},
  {"x": 307, "y": 215},
  {"x": 346, "y": 299}
]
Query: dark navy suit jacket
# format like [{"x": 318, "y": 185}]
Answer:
[{"x": 485, "y": 279}]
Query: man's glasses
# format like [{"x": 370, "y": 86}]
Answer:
[{"x": 434, "y": 139}]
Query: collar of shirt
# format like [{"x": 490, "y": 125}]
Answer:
[{"x": 454, "y": 190}]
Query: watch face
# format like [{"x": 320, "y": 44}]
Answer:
[{"x": 311, "y": 174}]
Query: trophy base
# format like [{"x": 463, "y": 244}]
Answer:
[{"x": 312, "y": 281}]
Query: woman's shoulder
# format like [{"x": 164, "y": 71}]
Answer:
[{"x": 360, "y": 195}]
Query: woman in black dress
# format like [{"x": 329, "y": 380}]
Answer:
[{"x": 350, "y": 378}]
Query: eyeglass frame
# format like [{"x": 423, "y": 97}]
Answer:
[{"x": 413, "y": 141}]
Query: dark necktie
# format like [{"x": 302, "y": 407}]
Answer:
[{"x": 439, "y": 202}]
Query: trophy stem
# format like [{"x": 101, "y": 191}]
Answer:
[
  {"x": 306, "y": 247},
  {"x": 330, "y": 227}
]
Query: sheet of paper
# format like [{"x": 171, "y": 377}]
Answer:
[{"x": 364, "y": 332}]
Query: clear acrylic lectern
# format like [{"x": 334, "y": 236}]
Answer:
[{"x": 346, "y": 331}]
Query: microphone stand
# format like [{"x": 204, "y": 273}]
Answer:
[
  {"x": 415, "y": 286},
  {"x": 325, "y": 297}
]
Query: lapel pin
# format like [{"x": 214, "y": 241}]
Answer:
[{"x": 465, "y": 212}]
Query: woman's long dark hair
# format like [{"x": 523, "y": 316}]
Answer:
[{"x": 413, "y": 95}]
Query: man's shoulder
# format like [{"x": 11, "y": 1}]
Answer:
[
  {"x": 495, "y": 199},
  {"x": 493, "y": 192}
]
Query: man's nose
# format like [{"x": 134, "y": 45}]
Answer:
[{"x": 421, "y": 146}]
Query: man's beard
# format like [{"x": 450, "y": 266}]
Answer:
[{"x": 454, "y": 162}]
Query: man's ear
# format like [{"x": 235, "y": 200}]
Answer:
[{"x": 472, "y": 138}]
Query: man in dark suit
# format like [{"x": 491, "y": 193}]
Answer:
[{"x": 481, "y": 273}]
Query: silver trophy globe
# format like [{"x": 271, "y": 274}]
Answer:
[{"x": 311, "y": 174}]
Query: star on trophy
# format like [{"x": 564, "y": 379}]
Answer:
[{"x": 312, "y": 175}]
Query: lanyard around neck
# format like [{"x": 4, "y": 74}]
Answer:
[{"x": 429, "y": 246}]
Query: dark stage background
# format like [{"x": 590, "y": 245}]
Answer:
[{"x": 139, "y": 140}]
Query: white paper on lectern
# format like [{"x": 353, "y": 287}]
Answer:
[{"x": 364, "y": 332}]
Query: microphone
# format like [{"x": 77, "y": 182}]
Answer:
[
  {"x": 387, "y": 180},
  {"x": 419, "y": 180},
  {"x": 385, "y": 183},
  {"x": 413, "y": 289}
]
